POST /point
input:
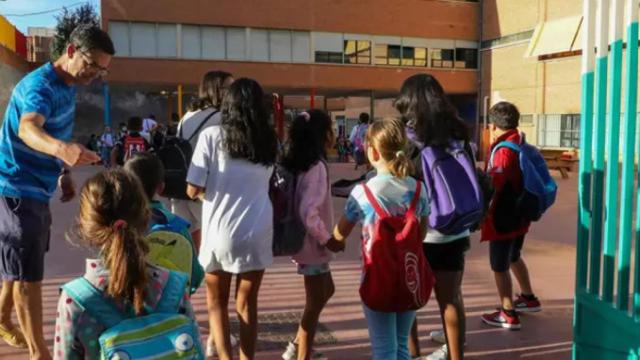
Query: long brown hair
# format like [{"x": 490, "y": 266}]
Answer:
[
  {"x": 388, "y": 137},
  {"x": 114, "y": 216}
]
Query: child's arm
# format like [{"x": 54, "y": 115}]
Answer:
[
  {"x": 195, "y": 192},
  {"x": 64, "y": 345},
  {"x": 340, "y": 234},
  {"x": 199, "y": 168}
]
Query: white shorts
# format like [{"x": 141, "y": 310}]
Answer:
[{"x": 189, "y": 210}]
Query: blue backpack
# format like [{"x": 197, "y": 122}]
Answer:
[
  {"x": 162, "y": 333},
  {"x": 539, "y": 187}
]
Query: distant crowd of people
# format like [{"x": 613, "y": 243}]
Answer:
[{"x": 239, "y": 197}]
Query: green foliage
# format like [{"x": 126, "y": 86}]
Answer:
[{"x": 67, "y": 21}]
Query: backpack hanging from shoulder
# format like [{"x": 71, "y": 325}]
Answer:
[
  {"x": 133, "y": 145},
  {"x": 175, "y": 154},
  {"x": 288, "y": 228},
  {"x": 163, "y": 333},
  {"x": 455, "y": 196},
  {"x": 539, "y": 188},
  {"x": 397, "y": 276}
]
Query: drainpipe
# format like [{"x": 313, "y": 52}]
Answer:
[{"x": 479, "y": 96}]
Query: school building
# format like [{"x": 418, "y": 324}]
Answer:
[{"x": 345, "y": 56}]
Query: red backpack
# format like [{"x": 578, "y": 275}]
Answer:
[
  {"x": 397, "y": 276},
  {"x": 133, "y": 145}
]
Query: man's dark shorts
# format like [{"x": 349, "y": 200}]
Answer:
[
  {"x": 502, "y": 253},
  {"x": 25, "y": 227}
]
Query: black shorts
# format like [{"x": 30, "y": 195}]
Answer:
[
  {"x": 25, "y": 227},
  {"x": 447, "y": 256},
  {"x": 502, "y": 253}
]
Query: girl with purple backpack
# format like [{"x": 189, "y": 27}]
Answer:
[
  {"x": 434, "y": 123},
  {"x": 310, "y": 137}
]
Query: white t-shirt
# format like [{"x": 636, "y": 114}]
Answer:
[
  {"x": 237, "y": 217},
  {"x": 148, "y": 124},
  {"x": 189, "y": 124}
]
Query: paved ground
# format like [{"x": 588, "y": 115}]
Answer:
[{"x": 549, "y": 252}]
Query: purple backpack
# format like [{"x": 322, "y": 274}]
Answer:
[{"x": 455, "y": 195}]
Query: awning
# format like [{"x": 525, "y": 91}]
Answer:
[{"x": 555, "y": 36}]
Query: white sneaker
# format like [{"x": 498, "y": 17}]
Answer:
[
  {"x": 211, "y": 346},
  {"x": 438, "y": 336},
  {"x": 291, "y": 353},
  {"x": 440, "y": 354}
]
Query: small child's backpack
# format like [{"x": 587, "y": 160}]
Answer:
[
  {"x": 397, "y": 276},
  {"x": 288, "y": 228},
  {"x": 456, "y": 198},
  {"x": 133, "y": 145},
  {"x": 163, "y": 333},
  {"x": 539, "y": 188},
  {"x": 171, "y": 247}
]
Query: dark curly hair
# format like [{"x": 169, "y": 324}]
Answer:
[
  {"x": 425, "y": 107},
  {"x": 307, "y": 140},
  {"x": 246, "y": 132}
]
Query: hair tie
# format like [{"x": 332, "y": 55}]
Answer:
[
  {"x": 399, "y": 153},
  {"x": 119, "y": 224},
  {"x": 306, "y": 116}
]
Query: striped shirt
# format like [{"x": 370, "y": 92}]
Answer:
[{"x": 24, "y": 172}]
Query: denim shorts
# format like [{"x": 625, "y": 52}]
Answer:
[
  {"x": 311, "y": 270},
  {"x": 25, "y": 228}
]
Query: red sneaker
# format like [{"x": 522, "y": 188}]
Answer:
[
  {"x": 501, "y": 319},
  {"x": 521, "y": 304}
]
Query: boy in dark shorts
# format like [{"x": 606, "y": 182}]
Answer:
[{"x": 501, "y": 228}]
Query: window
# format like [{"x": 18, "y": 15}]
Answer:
[
  {"x": 119, "y": 33},
  {"x": 143, "y": 40},
  {"x": 380, "y": 54},
  {"x": 414, "y": 56},
  {"x": 357, "y": 52},
  {"x": 259, "y": 45},
  {"x": 301, "y": 45},
  {"x": 570, "y": 130},
  {"x": 235, "y": 43},
  {"x": 167, "y": 40},
  {"x": 213, "y": 43},
  {"x": 442, "y": 58},
  {"x": 393, "y": 54},
  {"x": 328, "y": 47},
  {"x": 191, "y": 42},
  {"x": 466, "y": 58},
  {"x": 329, "y": 57},
  {"x": 280, "y": 44}
]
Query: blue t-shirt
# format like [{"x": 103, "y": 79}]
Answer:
[{"x": 24, "y": 172}]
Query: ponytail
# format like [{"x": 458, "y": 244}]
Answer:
[
  {"x": 400, "y": 165},
  {"x": 125, "y": 259}
]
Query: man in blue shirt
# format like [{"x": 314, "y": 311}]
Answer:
[{"x": 36, "y": 154}]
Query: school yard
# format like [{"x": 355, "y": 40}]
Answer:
[{"x": 549, "y": 252}]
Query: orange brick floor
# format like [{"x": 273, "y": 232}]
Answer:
[{"x": 549, "y": 252}]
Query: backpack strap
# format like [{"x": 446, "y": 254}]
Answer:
[
  {"x": 372, "y": 199},
  {"x": 204, "y": 121},
  {"x": 172, "y": 294},
  {"x": 508, "y": 144},
  {"x": 93, "y": 302},
  {"x": 414, "y": 201}
]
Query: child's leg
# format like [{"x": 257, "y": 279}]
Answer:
[
  {"x": 499, "y": 252},
  {"x": 404, "y": 322},
  {"x": 318, "y": 289},
  {"x": 383, "y": 333},
  {"x": 218, "y": 288},
  {"x": 247, "y": 287},
  {"x": 414, "y": 340},
  {"x": 449, "y": 296},
  {"x": 519, "y": 267}
]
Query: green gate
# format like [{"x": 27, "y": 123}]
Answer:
[{"x": 607, "y": 303}]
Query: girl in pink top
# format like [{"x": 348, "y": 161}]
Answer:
[{"x": 310, "y": 137}]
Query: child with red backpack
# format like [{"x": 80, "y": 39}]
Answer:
[
  {"x": 393, "y": 208},
  {"x": 506, "y": 224},
  {"x": 131, "y": 143}
]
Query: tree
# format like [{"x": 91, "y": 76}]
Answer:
[{"x": 69, "y": 20}]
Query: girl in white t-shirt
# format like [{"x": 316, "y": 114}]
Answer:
[{"x": 230, "y": 171}]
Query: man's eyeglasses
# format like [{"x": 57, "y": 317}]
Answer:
[{"x": 102, "y": 71}]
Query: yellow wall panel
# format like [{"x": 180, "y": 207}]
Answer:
[{"x": 7, "y": 34}]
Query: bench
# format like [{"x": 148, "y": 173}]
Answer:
[{"x": 561, "y": 160}]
